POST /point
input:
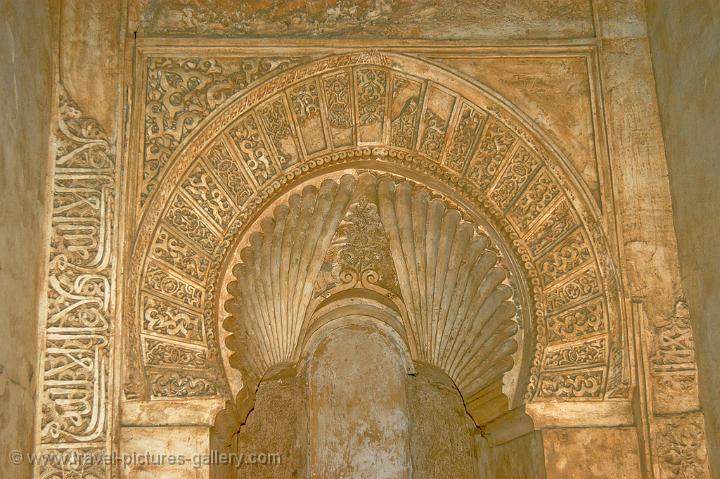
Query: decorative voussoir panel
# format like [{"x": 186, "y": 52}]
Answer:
[
  {"x": 494, "y": 145},
  {"x": 587, "y": 319},
  {"x": 405, "y": 110},
  {"x": 252, "y": 147},
  {"x": 372, "y": 85},
  {"x": 513, "y": 177},
  {"x": 572, "y": 385},
  {"x": 559, "y": 222},
  {"x": 166, "y": 319},
  {"x": 438, "y": 107},
  {"x": 176, "y": 252},
  {"x": 181, "y": 92},
  {"x": 305, "y": 103},
  {"x": 282, "y": 138},
  {"x": 465, "y": 135},
  {"x": 397, "y": 114},
  {"x": 230, "y": 172},
  {"x": 339, "y": 107},
  {"x": 587, "y": 353}
]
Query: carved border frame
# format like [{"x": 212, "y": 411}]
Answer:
[{"x": 226, "y": 115}]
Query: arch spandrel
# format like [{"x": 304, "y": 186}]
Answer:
[{"x": 408, "y": 117}]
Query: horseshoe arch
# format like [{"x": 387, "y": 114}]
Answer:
[{"x": 416, "y": 138}]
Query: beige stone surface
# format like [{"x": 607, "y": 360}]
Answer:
[
  {"x": 521, "y": 457},
  {"x": 171, "y": 413},
  {"x": 441, "y": 433},
  {"x": 164, "y": 452},
  {"x": 92, "y": 42},
  {"x": 368, "y": 19},
  {"x": 279, "y": 426},
  {"x": 26, "y": 80},
  {"x": 686, "y": 61},
  {"x": 556, "y": 91},
  {"x": 355, "y": 430},
  {"x": 234, "y": 186},
  {"x": 661, "y": 317},
  {"x": 323, "y": 422},
  {"x": 592, "y": 453}
]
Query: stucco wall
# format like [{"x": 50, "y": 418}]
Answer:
[
  {"x": 685, "y": 43},
  {"x": 353, "y": 410},
  {"x": 25, "y": 86}
]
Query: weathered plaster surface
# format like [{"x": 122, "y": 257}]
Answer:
[
  {"x": 176, "y": 453},
  {"x": 91, "y": 57},
  {"x": 667, "y": 378},
  {"x": 441, "y": 432},
  {"x": 520, "y": 457},
  {"x": 555, "y": 91},
  {"x": 684, "y": 40},
  {"x": 278, "y": 425},
  {"x": 368, "y": 18},
  {"x": 352, "y": 410},
  {"x": 592, "y": 453},
  {"x": 25, "y": 86},
  {"x": 191, "y": 204},
  {"x": 358, "y": 406}
]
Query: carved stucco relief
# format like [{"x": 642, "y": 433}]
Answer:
[
  {"x": 441, "y": 274},
  {"x": 672, "y": 361},
  {"x": 372, "y": 111},
  {"x": 670, "y": 393},
  {"x": 446, "y": 131},
  {"x": 75, "y": 384},
  {"x": 368, "y": 19},
  {"x": 180, "y": 92},
  {"x": 556, "y": 92},
  {"x": 679, "y": 442},
  {"x": 205, "y": 183}
]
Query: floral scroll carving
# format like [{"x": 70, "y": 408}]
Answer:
[
  {"x": 447, "y": 132},
  {"x": 680, "y": 445},
  {"x": 359, "y": 252},
  {"x": 181, "y": 92},
  {"x": 574, "y": 385}
]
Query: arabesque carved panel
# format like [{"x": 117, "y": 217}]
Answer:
[
  {"x": 447, "y": 131},
  {"x": 77, "y": 354}
]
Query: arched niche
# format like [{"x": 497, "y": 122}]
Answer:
[
  {"x": 369, "y": 240},
  {"x": 390, "y": 113}
]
